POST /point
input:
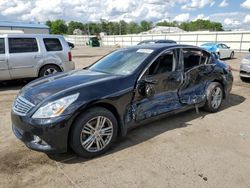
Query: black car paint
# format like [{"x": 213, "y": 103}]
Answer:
[{"x": 117, "y": 93}]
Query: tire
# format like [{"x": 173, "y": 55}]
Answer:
[
  {"x": 85, "y": 141},
  {"x": 218, "y": 54},
  {"x": 243, "y": 79},
  {"x": 232, "y": 55},
  {"x": 211, "y": 104},
  {"x": 49, "y": 69}
]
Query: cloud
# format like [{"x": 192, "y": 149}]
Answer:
[
  {"x": 224, "y": 3},
  {"x": 231, "y": 22},
  {"x": 246, "y": 4},
  {"x": 182, "y": 17},
  {"x": 201, "y": 17},
  {"x": 247, "y": 19},
  {"x": 195, "y": 4}
]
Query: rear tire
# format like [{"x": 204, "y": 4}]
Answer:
[
  {"x": 48, "y": 70},
  {"x": 88, "y": 138},
  {"x": 214, "y": 97},
  {"x": 232, "y": 55}
]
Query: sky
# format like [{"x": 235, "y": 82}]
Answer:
[{"x": 233, "y": 14}]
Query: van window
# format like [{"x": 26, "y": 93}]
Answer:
[
  {"x": 52, "y": 44},
  {"x": 2, "y": 46},
  {"x": 20, "y": 45}
]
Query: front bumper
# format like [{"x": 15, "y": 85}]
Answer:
[
  {"x": 245, "y": 70},
  {"x": 42, "y": 135}
]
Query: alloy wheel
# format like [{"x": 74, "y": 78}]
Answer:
[
  {"x": 96, "y": 134},
  {"x": 50, "y": 71},
  {"x": 216, "y": 97}
]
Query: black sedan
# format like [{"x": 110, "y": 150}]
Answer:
[{"x": 88, "y": 109}]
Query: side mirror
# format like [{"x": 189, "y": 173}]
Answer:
[
  {"x": 228, "y": 47},
  {"x": 249, "y": 49},
  {"x": 146, "y": 89}
]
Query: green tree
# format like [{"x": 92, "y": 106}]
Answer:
[
  {"x": 57, "y": 26},
  {"x": 74, "y": 25}
]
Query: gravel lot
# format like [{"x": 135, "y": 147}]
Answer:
[{"x": 186, "y": 150}]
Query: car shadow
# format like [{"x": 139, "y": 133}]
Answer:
[
  {"x": 13, "y": 84},
  {"x": 149, "y": 131}
]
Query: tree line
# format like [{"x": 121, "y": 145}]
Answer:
[{"x": 122, "y": 27}]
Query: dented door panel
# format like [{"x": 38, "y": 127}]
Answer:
[{"x": 164, "y": 100}]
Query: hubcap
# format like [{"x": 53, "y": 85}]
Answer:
[
  {"x": 216, "y": 97},
  {"x": 50, "y": 71},
  {"x": 96, "y": 134}
]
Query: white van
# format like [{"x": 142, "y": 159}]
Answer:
[{"x": 33, "y": 55}]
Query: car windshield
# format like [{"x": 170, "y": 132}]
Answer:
[{"x": 121, "y": 62}]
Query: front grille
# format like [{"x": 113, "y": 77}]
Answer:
[{"x": 21, "y": 106}]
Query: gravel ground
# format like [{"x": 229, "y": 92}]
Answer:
[{"x": 186, "y": 150}]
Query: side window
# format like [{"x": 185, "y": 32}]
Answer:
[
  {"x": 224, "y": 46},
  {"x": 205, "y": 57},
  {"x": 165, "y": 63},
  {"x": 192, "y": 58},
  {"x": 219, "y": 46},
  {"x": 20, "y": 45},
  {"x": 2, "y": 46},
  {"x": 52, "y": 44}
]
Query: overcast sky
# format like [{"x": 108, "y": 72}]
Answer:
[{"x": 232, "y": 13}]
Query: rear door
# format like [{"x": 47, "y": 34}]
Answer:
[
  {"x": 163, "y": 79},
  {"x": 24, "y": 54},
  {"x": 4, "y": 68},
  {"x": 197, "y": 74}
]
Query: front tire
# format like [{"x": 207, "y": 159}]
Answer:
[
  {"x": 94, "y": 132},
  {"x": 214, "y": 97}
]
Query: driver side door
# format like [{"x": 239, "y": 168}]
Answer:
[{"x": 157, "y": 90}]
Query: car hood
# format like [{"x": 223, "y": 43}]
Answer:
[{"x": 40, "y": 89}]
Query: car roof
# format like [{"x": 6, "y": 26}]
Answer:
[{"x": 162, "y": 46}]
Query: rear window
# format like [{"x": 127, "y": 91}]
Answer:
[
  {"x": 20, "y": 45},
  {"x": 52, "y": 44},
  {"x": 2, "y": 46}
]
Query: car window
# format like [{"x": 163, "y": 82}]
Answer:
[
  {"x": 192, "y": 58},
  {"x": 2, "y": 46},
  {"x": 224, "y": 46},
  {"x": 219, "y": 45},
  {"x": 165, "y": 63},
  {"x": 22, "y": 45},
  {"x": 52, "y": 44}
]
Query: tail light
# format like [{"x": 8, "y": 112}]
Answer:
[{"x": 69, "y": 56}]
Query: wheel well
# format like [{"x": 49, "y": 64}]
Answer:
[{"x": 47, "y": 65}]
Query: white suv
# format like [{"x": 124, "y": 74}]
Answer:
[{"x": 33, "y": 55}]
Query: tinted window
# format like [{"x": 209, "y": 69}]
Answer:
[
  {"x": 52, "y": 44},
  {"x": 20, "y": 45},
  {"x": 191, "y": 58},
  {"x": 164, "y": 63},
  {"x": 2, "y": 46}
]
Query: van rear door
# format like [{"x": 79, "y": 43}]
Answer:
[{"x": 4, "y": 68}]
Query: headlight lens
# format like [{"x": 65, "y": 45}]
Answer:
[
  {"x": 55, "y": 108},
  {"x": 245, "y": 61}
]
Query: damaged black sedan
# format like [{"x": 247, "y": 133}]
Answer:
[{"x": 89, "y": 109}]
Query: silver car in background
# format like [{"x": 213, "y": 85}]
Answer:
[
  {"x": 33, "y": 55},
  {"x": 245, "y": 68}
]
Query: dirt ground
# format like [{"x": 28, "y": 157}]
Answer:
[{"x": 186, "y": 150}]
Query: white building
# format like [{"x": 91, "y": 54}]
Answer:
[
  {"x": 28, "y": 28},
  {"x": 163, "y": 30}
]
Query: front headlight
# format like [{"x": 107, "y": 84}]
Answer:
[
  {"x": 55, "y": 108},
  {"x": 245, "y": 61}
]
